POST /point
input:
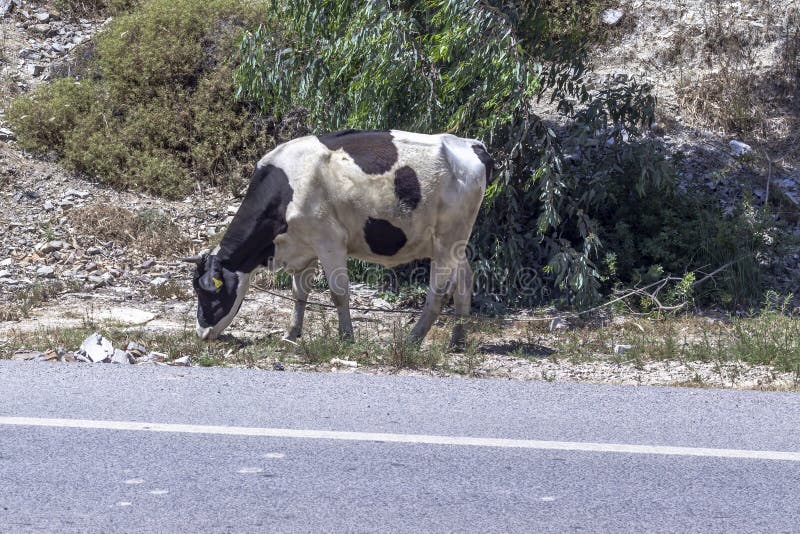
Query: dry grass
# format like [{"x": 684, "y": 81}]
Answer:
[
  {"x": 740, "y": 70},
  {"x": 147, "y": 230}
]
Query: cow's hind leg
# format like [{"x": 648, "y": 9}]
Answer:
[
  {"x": 301, "y": 286},
  {"x": 462, "y": 301},
  {"x": 335, "y": 266}
]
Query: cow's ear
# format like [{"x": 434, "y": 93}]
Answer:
[{"x": 211, "y": 281}]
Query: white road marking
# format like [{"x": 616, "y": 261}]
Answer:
[
  {"x": 135, "y": 481},
  {"x": 274, "y": 455},
  {"x": 249, "y": 470},
  {"x": 462, "y": 441},
  {"x": 159, "y": 492}
]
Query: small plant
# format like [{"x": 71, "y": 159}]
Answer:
[
  {"x": 402, "y": 352},
  {"x": 770, "y": 337},
  {"x": 171, "y": 289}
]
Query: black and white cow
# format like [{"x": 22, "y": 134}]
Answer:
[{"x": 387, "y": 197}]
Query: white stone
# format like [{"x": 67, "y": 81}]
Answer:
[
  {"x": 619, "y": 350},
  {"x": 120, "y": 356},
  {"x": 739, "y": 148},
  {"x": 46, "y": 271},
  {"x": 97, "y": 348},
  {"x": 611, "y": 16},
  {"x": 381, "y": 304}
]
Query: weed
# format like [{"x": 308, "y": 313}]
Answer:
[
  {"x": 23, "y": 301},
  {"x": 401, "y": 352},
  {"x": 170, "y": 289}
]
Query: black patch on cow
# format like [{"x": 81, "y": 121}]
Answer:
[
  {"x": 214, "y": 303},
  {"x": 250, "y": 238},
  {"x": 373, "y": 151},
  {"x": 383, "y": 237},
  {"x": 407, "y": 188},
  {"x": 486, "y": 159}
]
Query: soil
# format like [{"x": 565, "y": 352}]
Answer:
[{"x": 119, "y": 279}]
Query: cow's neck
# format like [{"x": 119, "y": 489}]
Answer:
[{"x": 249, "y": 241}]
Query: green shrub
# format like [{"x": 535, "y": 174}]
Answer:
[
  {"x": 159, "y": 114},
  {"x": 46, "y": 118}
]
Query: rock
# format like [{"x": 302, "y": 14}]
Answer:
[
  {"x": 42, "y": 16},
  {"x": 343, "y": 363},
  {"x": 278, "y": 366},
  {"x": 93, "y": 251},
  {"x": 381, "y": 304},
  {"x": 34, "y": 70},
  {"x": 136, "y": 350},
  {"x": 739, "y": 149},
  {"x": 6, "y": 134},
  {"x": 157, "y": 356},
  {"x": 5, "y": 7},
  {"x": 558, "y": 323},
  {"x": 49, "y": 246},
  {"x": 96, "y": 348},
  {"x": 232, "y": 210},
  {"x": 611, "y": 16},
  {"x": 147, "y": 264},
  {"x": 76, "y": 193},
  {"x": 48, "y": 206},
  {"x": 46, "y": 271},
  {"x": 157, "y": 282},
  {"x": 120, "y": 356},
  {"x": 183, "y": 361},
  {"x": 619, "y": 350},
  {"x": 8, "y": 262},
  {"x": 49, "y": 356}
]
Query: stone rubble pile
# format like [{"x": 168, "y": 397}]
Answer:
[{"x": 99, "y": 349}]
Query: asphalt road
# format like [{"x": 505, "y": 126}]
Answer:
[{"x": 102, "y": 448}]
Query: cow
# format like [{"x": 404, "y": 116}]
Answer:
[{"x": 387, "y": 197}]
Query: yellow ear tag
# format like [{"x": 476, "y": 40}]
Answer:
[{"x": 217, "y": 282}]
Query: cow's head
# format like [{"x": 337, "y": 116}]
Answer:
[{"x": 219, "y": 294}]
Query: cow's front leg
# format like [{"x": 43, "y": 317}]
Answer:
[
  {"x": 301, "y": 286},
  {"x": 440, "y": 280},
  {"x": 335, "y": 266}
]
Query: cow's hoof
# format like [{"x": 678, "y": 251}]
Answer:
[{"x": 459, "y": 339}]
